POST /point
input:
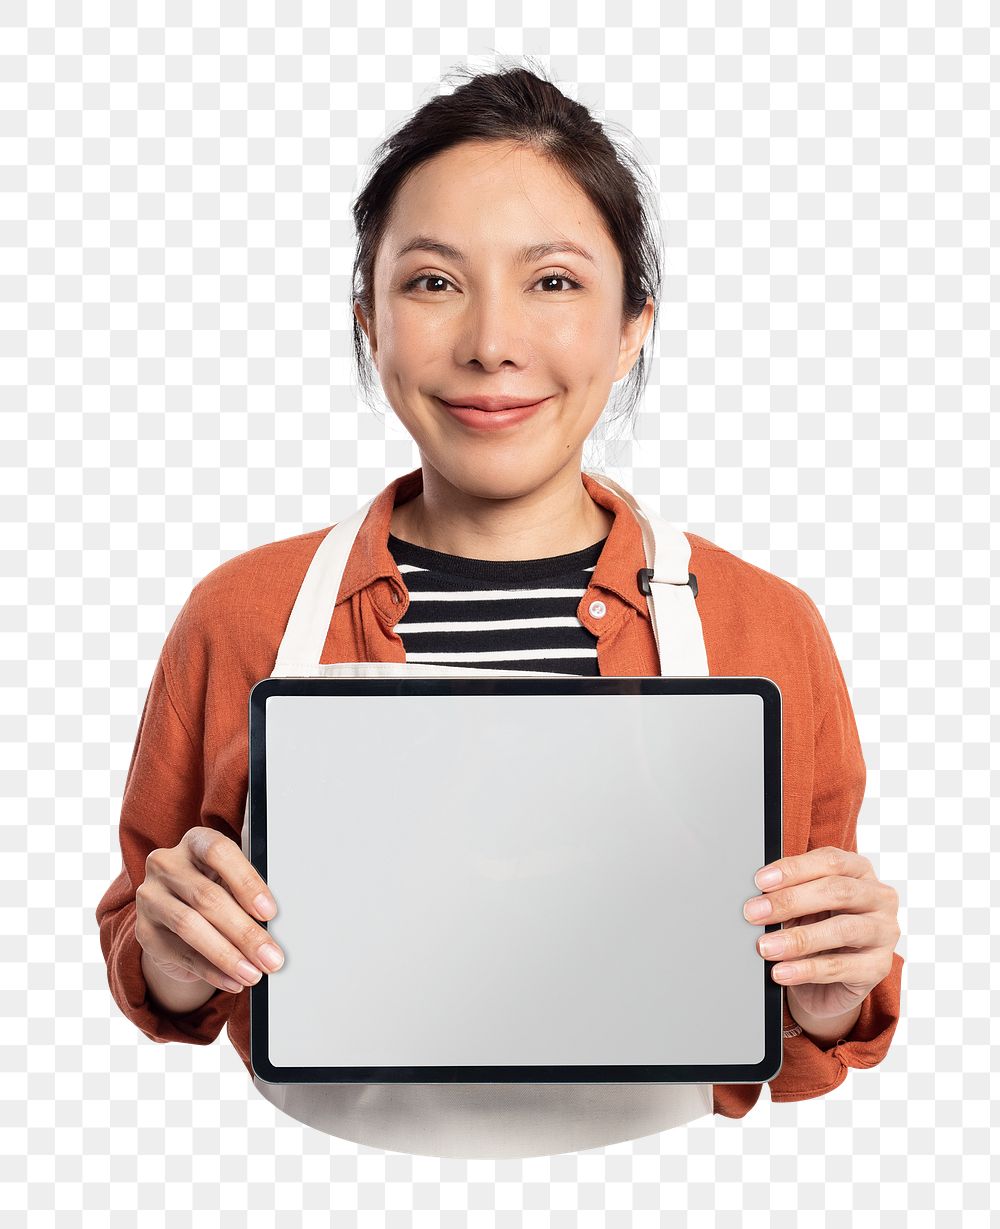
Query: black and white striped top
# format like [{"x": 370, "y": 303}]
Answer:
[{"x": 496, "y": 614}]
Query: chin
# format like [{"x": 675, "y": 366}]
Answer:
[{"x": 500, "y": 473}]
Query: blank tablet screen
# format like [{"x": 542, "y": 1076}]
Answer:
[{"x": 505, "y": 879}]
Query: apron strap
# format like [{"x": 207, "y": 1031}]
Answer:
[
  {"x": 671, "y": 588},
  {"x": 309, "y": 622}
]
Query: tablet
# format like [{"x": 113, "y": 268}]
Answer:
[{"x": 527, "y": 880}]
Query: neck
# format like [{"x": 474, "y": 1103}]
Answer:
[{"x": 554, "y": 519}]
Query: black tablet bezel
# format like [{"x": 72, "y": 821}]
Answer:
[{"x": 770, "y": 695}]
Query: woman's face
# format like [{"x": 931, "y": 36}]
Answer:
[{"x": 488, "y": 319}]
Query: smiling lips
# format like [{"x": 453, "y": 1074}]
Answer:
[
  {"x": 493, "y": 413},
  {"x": 490, "y": 404}
]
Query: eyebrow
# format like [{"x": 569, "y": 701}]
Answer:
[{"x": 527, "y": 254}]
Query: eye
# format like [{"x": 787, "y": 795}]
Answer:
[
  {"x": 424, "y": 277},
  {"x": 558, "y": 275}
]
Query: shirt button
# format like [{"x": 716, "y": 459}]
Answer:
[{"x": 598, "y": 610}]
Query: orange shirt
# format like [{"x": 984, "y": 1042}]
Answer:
[{"x": 189, "y": 762}]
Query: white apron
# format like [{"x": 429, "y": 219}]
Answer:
[{"x": 476, "y": 1119}]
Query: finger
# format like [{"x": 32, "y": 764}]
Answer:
[
  {"x": 851, "y": 931},
  {"x": 865, "y": 968},
  {"x": 216, "y": 854},
  {"x": 172, "y": 954},
  {"x": 207, "y": 919},
  {"x": 834, "y": 893},
  {"x": 814, "y": 863}
]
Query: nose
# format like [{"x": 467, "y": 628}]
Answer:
[{"x": 494, "y": 330}]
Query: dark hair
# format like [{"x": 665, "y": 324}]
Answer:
[{"x": 517, "y": 104}]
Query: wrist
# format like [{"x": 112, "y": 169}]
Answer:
[
  {"x": 168, "y": 994},
  {"x": 824, "y": 1031}
]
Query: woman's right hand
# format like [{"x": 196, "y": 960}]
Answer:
[{"x": 196, "y": 911}]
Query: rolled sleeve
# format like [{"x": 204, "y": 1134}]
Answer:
[
  {"x": 808, "y": 1068},
  {"x": 161, "y": 801},
  {"x": 123, "y": 955}
]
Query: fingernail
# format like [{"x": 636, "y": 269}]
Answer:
[
  {"x": 767, "y": 878},
  {"x": 271, "y": 956},
  {"x": 771, "y": 946},
  {"x": 759, "y": 907},
  {"x": 264, "y": 905},
  {"x": 784, "y": 971},
  {"x": 247, "y": 971}
]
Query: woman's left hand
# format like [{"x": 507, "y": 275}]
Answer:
[{"x": 845, "y": 930}]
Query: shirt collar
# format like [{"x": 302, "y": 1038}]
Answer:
[{"x": 616, "y": 570}]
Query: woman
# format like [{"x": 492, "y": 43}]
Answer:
[{"x": 504, "y": 255}]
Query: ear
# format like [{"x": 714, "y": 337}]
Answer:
[
  {"x": 367, "y": 325},
  {"x": 633, "y": 338}
]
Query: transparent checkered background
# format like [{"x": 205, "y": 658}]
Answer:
[{"x": 176, "y": 389}]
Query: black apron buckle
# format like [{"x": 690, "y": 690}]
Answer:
[{"x": 644, "y": 575}]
